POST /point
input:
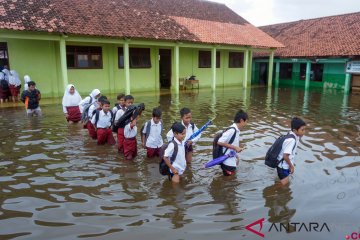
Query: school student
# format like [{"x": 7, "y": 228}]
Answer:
[
  {"x": 89, "y": 100},
  {"x": 70, "y": 102},
  {"x": 230, "y": 140},
  {"x": 186, "y": 117},
  {"x": 97, "y": 105},
  {"x": 120, "y": 103},
  {"x": 177, "y": 165},
  {"x": 130, "y": 143},
  {"x": 4, "y": 88},
  {"x": 129, "y": 100},
  {"x": 31, "y": 98},
  {"x": 151, "y": 138},
  {"x": 288, "y": 150},
  {"x": 102, "y": 121},
  {"x": 14, "y": 85}
]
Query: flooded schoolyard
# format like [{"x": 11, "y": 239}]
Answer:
[{"x": 56, "y": 183}]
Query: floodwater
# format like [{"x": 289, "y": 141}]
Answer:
[{"x": 56, "y": 183}]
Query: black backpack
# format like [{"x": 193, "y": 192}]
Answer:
[
  {"x": 217, "y": 149},
  {"x": 131, "y": 112},
  {"x": 163, "y": 167},
  {"x": 4, "y": 85},
  {"x": 275, "y": 149}
]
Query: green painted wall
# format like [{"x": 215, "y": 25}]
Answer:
[
  {"x": 39, "y": 57},
  {"x": 333, "y": 74},
  {"x": 38, "y": 60}
]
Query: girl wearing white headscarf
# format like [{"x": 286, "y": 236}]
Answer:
[
  {"x": 26, "y": 80},
  {"x": 70, "y": 102},
  {"x": 14, "y": 85}
]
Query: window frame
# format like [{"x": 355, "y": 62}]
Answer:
[
  {"x": 207, "y": 56},
  {"x": 142, "y": 55},
  {"x": 236, "y": 59},
  {"x": 73, "y": 51}
]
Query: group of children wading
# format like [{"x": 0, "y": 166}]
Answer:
[{"x": 102, "y": 122}]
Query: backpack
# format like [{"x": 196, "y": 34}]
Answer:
[
  {"x": 275, "y": 149},
  {"x": 147, "y": 131},
  {"x": 4, "y": 85},
  {"x": 217, "y": 149},
  {"x": 163, "y": 167},
  {"x": 85, "y": 113},
  {"x": 97, "y": 113},
  {"x": 131, "y": 112}
]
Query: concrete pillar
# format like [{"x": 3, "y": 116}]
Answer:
[
  {"x": 307, "y": 76},
  {"x": 246, "y": 68},
  {"x": 63, "y": 63},
  {"x": 270, "y": 73},
  {"x": 347, "y": 83},
  {"x": 127, "y": 67},
  {"x": 213, "y": 68},
  {"x": 277, "y": 74},
  {"x": 177, "y": 67}
]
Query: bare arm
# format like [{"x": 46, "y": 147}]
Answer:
[
  {"x": 287, "y": 160},
  {"x": 167, "y": 161},
  {"x": 229, "y": 146}
]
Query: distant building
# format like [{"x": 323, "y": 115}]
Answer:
[{"x": 316, "y": 53}]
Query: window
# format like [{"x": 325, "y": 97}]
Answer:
[
  {"x": 285, "y": 71},
  {"x": 316, "y": 72},
  {"x": 4, "y": 56},
  {"x": 84, "y": 57},
  {"x": 236, "y": 59},
  {"x": 205, "y": 59},
  {"x": 139, "y": 57}
]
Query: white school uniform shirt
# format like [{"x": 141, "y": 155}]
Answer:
[
  {"x": 104, "y": 120},
  {"x": 130, "y": 132},
  {"x": 154, "y": 139},
  {"x": 189, "y": 132},
  {"x": 180, "y": 162},
  {"x": 225, "y": 138},
  {"x": 119, "y": 114},
  {"x": 92, "y": 108},
  {"x": 287, "y": 147}
]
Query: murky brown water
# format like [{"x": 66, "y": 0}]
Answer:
[{"x": 56, "y": 183}]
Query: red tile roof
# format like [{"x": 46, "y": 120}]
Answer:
[
  {"x": 321, "y": 37},
  {"x": 177, "y": 20}
]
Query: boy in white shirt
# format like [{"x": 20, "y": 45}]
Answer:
[
  {"x": 120, "y": 103},
  {"x": 129, "y": 100},
  {"x": 190, "y": 127},
  {"x": 288, "y": 151},
  {"x": 176, "y": 166},
  {"x": 130, "y": 143},
  {"x": 151, "y": 138},
  {"x": 230, "y": 139},
  {"x": 102, "y": 121}
]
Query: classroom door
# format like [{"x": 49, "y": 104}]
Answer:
[
  {"x": 165, "y": 68},
  {"x": 355, "y": 83},
  {"x": 263, "y": 73}
]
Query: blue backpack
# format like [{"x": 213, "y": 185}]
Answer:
[{"x": 274, "y": 151}]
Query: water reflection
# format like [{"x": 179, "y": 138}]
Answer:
[{"x": 57, "y": 183}]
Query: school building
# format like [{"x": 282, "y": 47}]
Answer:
[
  {"x": 128, "y": 45},
  {"x": 322, "y": 52}
]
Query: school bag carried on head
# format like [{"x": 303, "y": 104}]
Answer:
[
  {"x": 217, "y": 149},
  {"x": 148, "y": 128},
  {"x": 275, "y": 149},
  {"x": 163, "y": 167},
  {"x": 85, "y": 113},
  {"x": 131, "y": 112}
]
